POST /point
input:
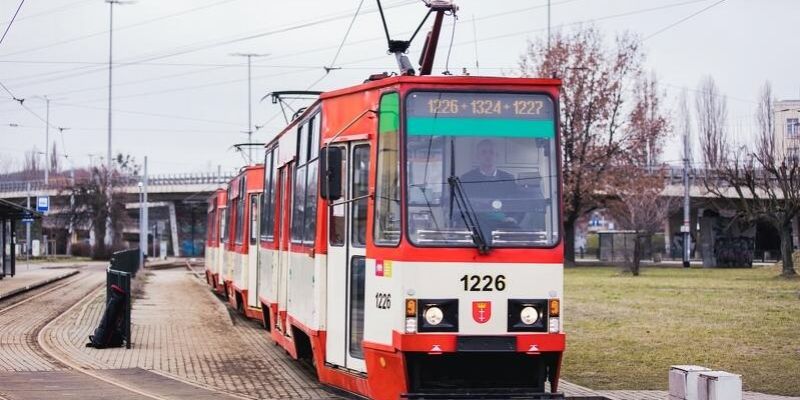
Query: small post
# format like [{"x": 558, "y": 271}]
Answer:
[
  {"x": 28, "y": 225},
  {"x": 686, "y": 228}
]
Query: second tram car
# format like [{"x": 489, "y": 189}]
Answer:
[
  {"x": 241, "y": 240},
  {"x": 214, "y": 252}
]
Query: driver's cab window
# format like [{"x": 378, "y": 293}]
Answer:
[{"x": 497, "y": 170}]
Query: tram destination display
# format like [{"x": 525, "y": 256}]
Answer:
[
  {"x": 480, "y": 114},
  {"x": 479, "y": 105}
]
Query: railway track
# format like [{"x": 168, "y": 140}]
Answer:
[{"x": 27, "y": 369}]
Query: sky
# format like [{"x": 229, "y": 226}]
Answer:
[{"x": 180, "y": 95}]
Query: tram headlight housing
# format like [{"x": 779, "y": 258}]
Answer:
[
  {"x": 437, "y": 315},
  {"x": 527, "y": 315}
]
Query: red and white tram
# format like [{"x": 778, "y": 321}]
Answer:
[{"x": 410, "y": 236}]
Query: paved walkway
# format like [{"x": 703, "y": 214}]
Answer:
[{"x": 181, "y": 330}]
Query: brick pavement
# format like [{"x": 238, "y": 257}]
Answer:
[{"x": 180, "y": 329}]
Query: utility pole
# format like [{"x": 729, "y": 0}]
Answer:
[
  {"x": 249, "y": 101},
  {"x": 28, "y": 224},
  {"x": 142, "y": 231},
  {"x": 109, "y": 162},
  {"x": 145, "y": 205},
  {"x": 686, "y": 227},
  {"x": 71, "y": 228}
]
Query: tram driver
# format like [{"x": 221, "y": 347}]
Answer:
[{"x": 488, "y": 187}]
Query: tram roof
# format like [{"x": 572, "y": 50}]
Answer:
[
  {"x": 442, "y": 80},
  {"x": 425, "y": 80}
]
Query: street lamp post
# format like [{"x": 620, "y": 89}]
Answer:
[
  {"x": 142, "y": 227},
  {"x": 249, "y": 101},
  {"x": 111, "y": 3}
]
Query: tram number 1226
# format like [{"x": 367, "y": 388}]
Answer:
[
  {"x": 383, "y": 301},
  {"x": 484, "y": 283}
]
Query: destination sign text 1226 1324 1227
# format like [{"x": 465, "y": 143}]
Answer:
[{"x": 479, "y": 105}]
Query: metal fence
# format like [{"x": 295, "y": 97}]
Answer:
[{"x": 123, "y": 281}]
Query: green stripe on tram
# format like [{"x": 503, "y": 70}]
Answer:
[{"x": 515, "y": 128}]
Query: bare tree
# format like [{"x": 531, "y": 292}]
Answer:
[
  {"x": 55, "y": 163},
  {"x": 639, "y": 206},
  {"x": 712, "y": 112},
  {"x": 31, "y": 166},
  {"x": 91, "y": 209},
  {"x": 597, "y": 81},
  {"x": 634, "y": 186},
  {"x": 765, "y": 117},
  {"x": 758, "y": 183}
]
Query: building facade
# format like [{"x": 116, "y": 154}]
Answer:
[{"x": 787, "y": 129}]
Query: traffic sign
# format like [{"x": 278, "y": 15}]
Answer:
[
  {"x": 27, "y": 218},
  {"x": 43, "y": 204}
]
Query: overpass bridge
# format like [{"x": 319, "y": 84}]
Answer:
[{"x": 176, "y": 204}]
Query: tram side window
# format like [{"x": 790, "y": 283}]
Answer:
[
  {"x": 210, "y": 227},
  {"x": 359, "y": 200},
  {"x": 357, "y": 286},
  {"x": 254, "y": 203},
  {"x": 223, "y": 229},
  {"x": 304, "y": 204},
  {"x": 298, "y": 206},
  {"x": 336, "y": 226},
  {"x": 311, "y": 181},
  {"x": 240, "y": 210},
  {"x": 267, "y": 198},
  {"x": 387, "y": 196}
]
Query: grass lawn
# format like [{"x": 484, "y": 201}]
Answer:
[{"x": 624, "y": 332}]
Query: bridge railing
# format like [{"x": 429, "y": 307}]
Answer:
[{"x": 201, "y": 178}]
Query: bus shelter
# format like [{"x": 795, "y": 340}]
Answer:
[{"x": 10, "y": 214}]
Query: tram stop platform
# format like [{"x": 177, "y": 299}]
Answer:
[
  {"x": 33, "y": 277},
  {"x": 187, "y": 344}
]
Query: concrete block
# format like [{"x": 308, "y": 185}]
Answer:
[
  {"x": 683, "y": 381},
  {"x": 719, "y": 385}
]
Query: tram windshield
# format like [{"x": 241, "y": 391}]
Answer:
[{"x": 481, "y": 170}]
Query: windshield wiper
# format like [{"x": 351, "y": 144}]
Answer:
[{"x": 468, "y": 215}]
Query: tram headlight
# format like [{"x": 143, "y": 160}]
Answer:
[
  {"x": 437, "y": 315},
  {"x": 434, "y": 315},
  {"x": 529, "y": 315}
]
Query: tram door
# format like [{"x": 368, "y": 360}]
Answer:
[
  {"x": 284, "y": 216},
  {"x": 347, "y": 224},
  {"x": 253, "y": 271}
]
